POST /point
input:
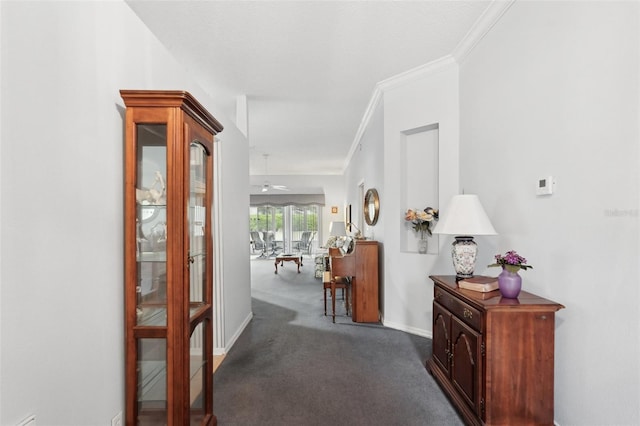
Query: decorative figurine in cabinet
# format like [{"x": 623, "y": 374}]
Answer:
[{"x": 168, "y": 258}]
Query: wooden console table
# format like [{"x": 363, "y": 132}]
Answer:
[
  {"x": 493, "y": 356},
  {"x": 288, "y": 258}
]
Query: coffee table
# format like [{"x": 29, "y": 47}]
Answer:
[{"x": 288, "y": 258}]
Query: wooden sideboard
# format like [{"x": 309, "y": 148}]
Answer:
[
  {"x": 493, "y": 356},
  {"x": 362, "y": 266}
]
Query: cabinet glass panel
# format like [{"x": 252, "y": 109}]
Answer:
[
  {"x": 196, "y": 374},
  {"x": 197, "y": 222},
  {"x": 151, "y": 224},
  {"x": 152, "y": 381}
]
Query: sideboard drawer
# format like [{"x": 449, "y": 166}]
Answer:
[{"x": 467, "y": 313}]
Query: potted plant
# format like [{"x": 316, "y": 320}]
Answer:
[{"x": 509, "y": 282}]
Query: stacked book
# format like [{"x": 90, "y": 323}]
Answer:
[{"x": 479, "y": 283}]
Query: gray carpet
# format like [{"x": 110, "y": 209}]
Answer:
[{"x": 293, "y": 366}]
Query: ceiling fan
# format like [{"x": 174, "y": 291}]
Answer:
[{"x": 266, "y": 186}]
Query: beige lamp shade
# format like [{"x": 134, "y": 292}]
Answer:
[
  {"x": 464, "y": 216},
  {"x": 337, "y": 229}
]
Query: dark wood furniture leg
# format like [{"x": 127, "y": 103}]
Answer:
[{"x": 345, "y": 290}]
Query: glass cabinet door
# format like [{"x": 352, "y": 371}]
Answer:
[
  {"x": 152, "y": 382},
  {"x": 197, "y": 225},
  {"x": 197, "y": 371},
  {"x": 151, "y": 256},
  {"x": 197, "y": 217},
  {"x": 151, "y": 222}
]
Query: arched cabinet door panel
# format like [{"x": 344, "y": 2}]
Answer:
[
  {"x": 465, "y": 363},
  {"x": 441, "y": 340}
]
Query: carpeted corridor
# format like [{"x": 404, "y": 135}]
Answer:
[{"x": 293, "y": 366}]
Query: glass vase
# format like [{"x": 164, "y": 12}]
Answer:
[{"x": 422, "y": 246}]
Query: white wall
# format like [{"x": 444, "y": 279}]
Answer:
[
  {"x": 553, "y": 89},
  {"x": 367, "y": 168},
  {"x": 430, "y": 99},
  {"x": 235, "y": 275},
  {"x": 61, "y": 171}
]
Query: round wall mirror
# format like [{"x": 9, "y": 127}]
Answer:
[{"x": 371, "y": 207}]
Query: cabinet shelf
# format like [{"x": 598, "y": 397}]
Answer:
[
  {"x": 152, "y": 316},
  {"x": 152, "y": 256},
  {"x": 156, "y": 316},
  {"x": 153, "y": 380},
  {"x": 151, "y": 205}
]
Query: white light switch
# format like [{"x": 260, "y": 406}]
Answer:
[{"x": 545, "y": 186}]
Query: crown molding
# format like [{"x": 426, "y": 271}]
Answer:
[
  {"x": 376, "y": 98},
  {"x": 415, "y": 73},
  {"x": 480, "y": 28},
  {"x": 388, "y": 84}
]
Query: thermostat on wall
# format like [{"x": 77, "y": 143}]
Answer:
[{"x": 545, "y": 186}]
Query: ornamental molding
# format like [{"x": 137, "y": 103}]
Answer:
[
  {"x": 478, "y": 31},
  {"x": 481, "y": 28}
]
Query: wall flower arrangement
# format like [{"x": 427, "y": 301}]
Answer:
[{"x": 422, "y": 220}]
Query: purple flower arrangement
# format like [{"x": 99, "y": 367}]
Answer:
[{"x": 511, "y": 261}]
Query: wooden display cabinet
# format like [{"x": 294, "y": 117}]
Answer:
[
  {"x": 493, "y": 356},
  {"x": 168, "y": 259}
]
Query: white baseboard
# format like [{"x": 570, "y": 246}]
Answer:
[
  {"x": 236, "y": 335},
  {"x": 407, "y": 329}
]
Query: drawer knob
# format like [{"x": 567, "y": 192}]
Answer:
[{"x": 467, "y": 313}]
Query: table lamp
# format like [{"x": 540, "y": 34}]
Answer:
[
  {"x": 464, "y": 217},
  {"x": 337, "y": 229}
]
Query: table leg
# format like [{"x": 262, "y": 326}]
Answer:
[
  {"x": 325, "y": 299},
  {"x": 333, "y": 300},
  {"x": 276, "y": 263}
]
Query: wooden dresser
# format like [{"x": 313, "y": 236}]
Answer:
[
  {"x": 493, "y": 356},
  {"x": 362, "y": 266}
]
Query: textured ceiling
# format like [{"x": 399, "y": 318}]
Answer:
[{"x": 308, "y": 68}]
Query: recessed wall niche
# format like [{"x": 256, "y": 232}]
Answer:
[{"x": 419, "y": 176}]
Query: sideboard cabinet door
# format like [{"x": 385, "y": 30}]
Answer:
[
  {"x": 441, "y": 339},
  {"x": 457, "y": 352},
  {"x": 466, "y": 363}
]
